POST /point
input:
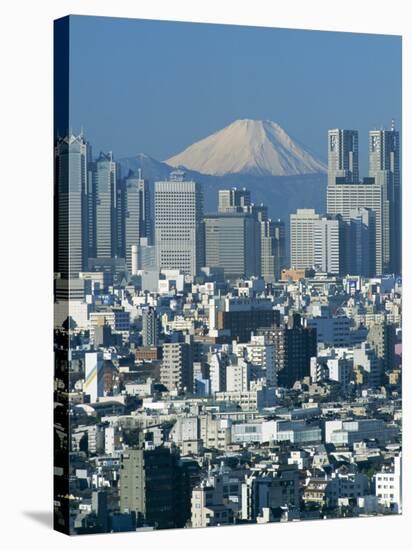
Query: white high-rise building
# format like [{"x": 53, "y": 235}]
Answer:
[
  {"x": 328, "y": 244},
  {"x": 343, "y": 156},
  {"x": 178, "y": 224},
  {"x": 317, "y": 241},
  {"x": 302, "y": 238},
  {"x": 134, "y": 259}
]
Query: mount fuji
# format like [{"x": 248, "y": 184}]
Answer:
[
  {"x": 255, "y": 154},
  {"x": 249, "y": 147}
]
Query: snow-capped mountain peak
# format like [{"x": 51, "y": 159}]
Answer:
[{"x": 258, "y": 147}]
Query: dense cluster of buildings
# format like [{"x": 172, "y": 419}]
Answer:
[
  {"x": 361, "y": 232},
  {"x": 201, "y": 378}
]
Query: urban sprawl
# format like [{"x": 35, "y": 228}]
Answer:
[{"x": 205, "y": 376}]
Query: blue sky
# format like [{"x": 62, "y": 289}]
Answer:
[{"x": 157, "y": 86}]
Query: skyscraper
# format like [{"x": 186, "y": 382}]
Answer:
[
  {"x": 102, "y": 196},
  {"x": 136, "y": 215},
  {"x": 279, "y": 235},
  {"x": 233, "y": 200},
  {"x": 232, "y": 242},
  {"x": 71, "y": 158},
  {"x": 343, "y": 156},
  {"x": 302, "y": 238},
  {"x": 377, "y": 192},
  {"x": 360, "y": 242},
  {"x": 328, "y": 243},
  {"x": 272, "y": 243},
  {"x": 344, "y": 198},
  {"x": 384, "y": 162},
  {"x": 266, "y": 239},
  {"x": 178, "y": 224}
]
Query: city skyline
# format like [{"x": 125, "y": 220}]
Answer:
[
  {"x": 269, "y": 77},
  {"x": 118, "y": 211},
  {"x": 203, "y": 375}
]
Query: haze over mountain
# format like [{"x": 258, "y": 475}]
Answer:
[
  {"x": 255, "y": 147},
  {"x": 151, "y": 168}
]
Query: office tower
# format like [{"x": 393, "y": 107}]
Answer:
[
  {"x": 120, "y": 216},
  {"x": 269, "y": 266},
  {"x": 150, "y": 327},
  {"x": 343, "y": 156},
  {"x": 301, "y": 238},
  {"x": 384, "y": 180},
  {"x": 233, "y": 200},
  {"x": 328, "y": 244},
  {"x": 151, "y": 485},
  {"x": 377, "y": 192},
  {"x": 176, "y": 371},
  {"x": 344, "y": 198},
  {"x": 136, "y": 215},
  {"x": 272, "y": 244},
  {"x": 232, "y": 242},
  {"x": 279, "y": 235},
  {"x": 147, "y": 255},
  {"x": 102, "y": 197},
  {"x": 360, "y": 242},
  {"x": 178, "y": 224},
  {"x": 93, "y": 377},
  {"x": 384, "y": 157},
  {"x": 261, "y": 243},
  {"x": 134, "y": 259},
  {"x": 71, "y": 158},
  {"x": 294, "y": 344}
]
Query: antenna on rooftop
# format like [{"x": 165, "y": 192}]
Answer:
[
  {"x": 139, "y": 171},
  {"x": 393, "y": 124}
]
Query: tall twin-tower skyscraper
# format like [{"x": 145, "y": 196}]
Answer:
[{"x": 380, "y": 191}]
